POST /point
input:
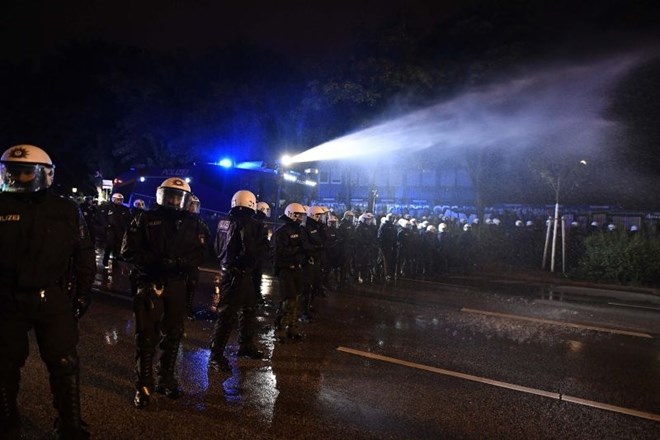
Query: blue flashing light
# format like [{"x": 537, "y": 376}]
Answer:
[{"x": 226, "y": 163}]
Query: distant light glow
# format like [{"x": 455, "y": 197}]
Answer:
[
  {"x": 251, "y": 165},
  {"x": 310, "y": 183},
  {"x": 289, "y": 177},
  {"x": 583, "y": 162},
  {"x": 286, "y": 160},
  {"x": 187, "y": 179},
  {"x": 226, "y": 163},
  {"x": 142, "y": 178}
]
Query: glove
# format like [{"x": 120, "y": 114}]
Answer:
[{"x": 80, "y": 304}]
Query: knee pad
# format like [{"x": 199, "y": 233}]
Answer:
[{"x": 64, "y": 365}]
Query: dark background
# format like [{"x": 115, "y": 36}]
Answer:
[{"x": 109, "y": 85}]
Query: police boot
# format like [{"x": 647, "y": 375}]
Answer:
[
  {"x": 190, "y": 296},
  {"x": 10, "y": 422},
  {"x": 221, "y": 332},
  {"x": 66, "y": 399},
  {"x": 144, "y": 372},
  {"x": 167, "y": 384},
  {"x": 246, "y": 335}
]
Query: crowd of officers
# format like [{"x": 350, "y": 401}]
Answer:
[{"x": 47, "y": 267}]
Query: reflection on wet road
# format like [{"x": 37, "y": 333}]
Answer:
[{"x": 312, "y": 390}]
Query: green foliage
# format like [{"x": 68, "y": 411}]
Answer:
[{"x": 621, "y": 259}]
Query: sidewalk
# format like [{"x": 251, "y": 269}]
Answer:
[{"x": 557, "y": 281}]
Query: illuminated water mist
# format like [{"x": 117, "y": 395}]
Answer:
[{"x": 558, "y": 108}]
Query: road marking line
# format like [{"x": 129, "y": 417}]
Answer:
[
  {"x": 566, "y": 324},
  {"x": 510, "y": 386},
  {"x": 633, "y": 306}
]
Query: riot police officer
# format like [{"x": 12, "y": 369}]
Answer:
[
  {"x": 289, "y": 253},
  {"x": 193, "y": 275},
  {"x": 387, "y": 240},
  {"x": 238, "y": 246},
  {"x": 262, "y": 213},
  {"x": 117, "y": 218},
  {"x": 46, "y": 262},
  {"x": 315, "y": 256},
  {"x": 164, "y": 244}
]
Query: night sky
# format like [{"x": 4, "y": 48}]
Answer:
[{"x": 294, "y": 27}]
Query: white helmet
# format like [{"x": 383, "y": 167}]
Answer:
[
  {"x": 26, "y": 168},
  {"x": 519, "y": 223},
  {"x": 138, "y": 203},
  {"x": 174, "y": 193},
  {"x": 403, "y": 222},
  {"x": 432, "y": 229},
  {"x": 315, "y": 212},
  {"x": 496, "y": 221},
  {"x": 295, "y": 212},
  {"x": 244, "y": 199},
  {"x": 633, "y": 228},
  {"x": 529, "y": 223},
  {"x": 467, "y": 227},
  {"x": 264, "y": 207},
  {"x": 442, "y": 227},
  {"x": 117, "y": 198},
  {"x": 611, "y": 227},
  {"x": 195, "y": 205}
]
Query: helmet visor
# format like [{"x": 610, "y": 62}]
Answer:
[
  {"x": 173, "y": 198},
  {"x": 194, "y": 206},
  {"x": 25, "y": 177}
]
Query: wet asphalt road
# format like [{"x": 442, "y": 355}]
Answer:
[{"x": 448, "y": 370}]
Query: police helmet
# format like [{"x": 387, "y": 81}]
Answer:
[
  {"x": 195, "y": 204},
  {"x": 264, "y": 207},
  {"x": 244, "y": 199},
  {"x": 25, "y": 168},
  {"x": 174, "y": 193},
  {"x": 295, "y": 212}
]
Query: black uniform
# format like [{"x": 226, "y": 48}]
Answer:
[
  {"x": 164, "y": 244},
  {"x": 365, "y": 243},
  {"x": 262, "y": 256},
  {"x": 333, "y": 251},
  {"x": 387, "y": 240},
  {"x": 90, "y": 213},
  {"x": 238, "y": 246},
  {"x": 46, "y": 260},
  {"x": 193, "y": 275},
  {"x": 313, "y": 269},
  {"x": 347, "y": 232},
  {"x": 117, "y": 218},
  {"x": 288, "y": 257}
]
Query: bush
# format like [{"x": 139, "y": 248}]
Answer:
[{"x": 622, "y": 259}]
